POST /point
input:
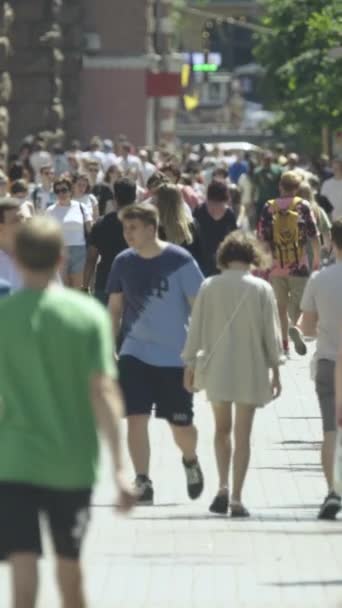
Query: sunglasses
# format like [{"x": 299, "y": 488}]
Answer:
[{"x": 62, "y": 190}]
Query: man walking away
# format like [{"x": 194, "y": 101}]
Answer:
[
  {"x": 286, "y": 225},
  {"x": 106, "y": 240},
  {"x": 322, "y": 316},
  {"x": 152, "y": 286},
  {"x": 54, "y": 391}
]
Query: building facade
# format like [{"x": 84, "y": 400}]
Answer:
[{"x": 75, "y": 68}]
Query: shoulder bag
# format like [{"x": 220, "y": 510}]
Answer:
[{"x": 202, "y": 360}]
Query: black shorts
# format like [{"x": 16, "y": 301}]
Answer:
[
  {"x": 21, "y": 504},
  {"x": 145, "y": 386}
]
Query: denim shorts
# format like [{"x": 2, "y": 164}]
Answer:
[{"x": 76, "y": 257}]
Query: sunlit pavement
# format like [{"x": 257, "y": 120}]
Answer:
[{"x": 177, "y": 555}]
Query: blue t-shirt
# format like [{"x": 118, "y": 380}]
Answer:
[{"x": 156, "y": 309}]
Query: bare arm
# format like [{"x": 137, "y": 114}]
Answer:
[
  {"x": 115, "y": 306},
  {"x": 89, "y": 269},
  {"x": 309, "y": 323},
  {"x": 108, "y": 407},
  {"x": 316, "y": 247}
]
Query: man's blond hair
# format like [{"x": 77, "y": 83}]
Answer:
[
  {"x": 144, "y": 212},
  {"x": 38, "y": 244},
  {"x": 290, "y": 182}
]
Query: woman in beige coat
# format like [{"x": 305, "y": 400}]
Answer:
[{"x": 234, "y": 340}]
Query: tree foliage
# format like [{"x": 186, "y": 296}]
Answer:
[{"x": 302, "y": 80}]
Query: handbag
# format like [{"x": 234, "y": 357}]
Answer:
[
  {"x": 202, "y": 360},
  {"x": 86, "y": 235},
  {"x": 338, "y": 462}
]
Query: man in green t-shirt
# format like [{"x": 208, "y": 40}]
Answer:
[{"x": 57, "y": 385}]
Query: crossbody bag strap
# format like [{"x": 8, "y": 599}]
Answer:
[
  {"x": 85, "y": 232},
  {"x": 227, "y": 325}
]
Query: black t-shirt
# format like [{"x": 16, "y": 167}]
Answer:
[
  {"x": 107, "y": 236},
  {"x": 210, "y": 234},
  {"x": 103, "y": 194},
  {"x": 194, "y": 247}
]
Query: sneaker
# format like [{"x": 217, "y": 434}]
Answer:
[
  {"x": 330, "y": 507},
  {"x": 194, "y": 478},
  {"x": 298, "y": 340},
  {"x": 144, "y": 488}
]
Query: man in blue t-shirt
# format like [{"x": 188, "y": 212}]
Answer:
[{"x": 152, "y": 286}]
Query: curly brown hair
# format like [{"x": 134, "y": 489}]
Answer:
[{"x": 244, "y": 248}]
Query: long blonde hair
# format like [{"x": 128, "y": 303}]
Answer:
[
  {"x": 172, "y": 215},
  {"x": 306, "y": 192}
]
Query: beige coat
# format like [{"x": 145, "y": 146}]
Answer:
[{"x": 239, "y": 369}]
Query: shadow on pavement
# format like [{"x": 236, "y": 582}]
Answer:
[{"x": 305, "y": 583}]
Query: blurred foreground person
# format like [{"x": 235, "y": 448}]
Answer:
[
  {"x": 322, "y": 317},
  {"x": 233, "y": 348},
  {"x": 55, "y": 391}
]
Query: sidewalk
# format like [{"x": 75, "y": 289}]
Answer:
[{"x": 177, "y": 555}]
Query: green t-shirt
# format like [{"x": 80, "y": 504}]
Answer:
[{"x": 52, "y": 341}]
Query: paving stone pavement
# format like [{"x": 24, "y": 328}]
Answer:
[{"x": 177, "y": 555}]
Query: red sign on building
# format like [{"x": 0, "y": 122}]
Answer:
[{"x": 163, "y": 84}]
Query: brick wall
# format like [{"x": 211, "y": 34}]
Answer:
[
  {"x": 121, "y": 24},
  {"x": 114, "y": 102}
]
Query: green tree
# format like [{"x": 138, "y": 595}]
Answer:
[
  {"x": 178, "y": 13},
  {"x": 302, "y": 80}
]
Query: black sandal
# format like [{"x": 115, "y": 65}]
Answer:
[
  {"x": 220, "y": 504},
  {"x": 238, "y": 510}
]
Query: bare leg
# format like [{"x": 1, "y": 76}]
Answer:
[
  {"x": 76, "y": 280},
  {"x": 284, "y": 321},
  {"x": 66, "y": 280},
  {"x": 24, "y": 569},
  {"x": 327, "y": 456},
  {"x": 69, "y": 579},
  {"x": 223, "y": 446},
  {"x": 139, "y": 443},
  {"x": 244, "y": 415},
  {"x": 186, "y": 439}
]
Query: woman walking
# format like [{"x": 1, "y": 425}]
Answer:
[
  {"x": 234, "y": 341},
  {"x": 82, "y": 194},
  {"x": 175, "y": 225},
  {"x": 75, "y": 221}
]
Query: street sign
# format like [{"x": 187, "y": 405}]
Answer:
[{"x": 163, "y": 84}]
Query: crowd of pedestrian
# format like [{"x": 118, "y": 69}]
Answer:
[{"x": 209, "y": 267}]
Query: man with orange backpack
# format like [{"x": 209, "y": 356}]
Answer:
[{"x": 286, "y": 225}]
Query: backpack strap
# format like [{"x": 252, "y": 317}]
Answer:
[{"x": 295, "y": 201}]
